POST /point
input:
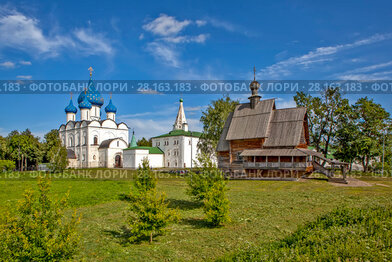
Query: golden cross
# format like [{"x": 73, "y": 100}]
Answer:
[
  {"x": 91, "y": 70},
  {"x": 71, "y": 94},
  {"x": 254, "y": 73},
  {"x": 110, "y": 95}
]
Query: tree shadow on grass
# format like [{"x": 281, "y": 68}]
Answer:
[
  {"x": 124, "y": 197},
  {"x": 195, "y": 222},
  {"x": 122, "y": 235},
  {"x": 183, "y": 204}
]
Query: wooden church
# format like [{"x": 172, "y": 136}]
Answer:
[{"x": 260, "y": 141}]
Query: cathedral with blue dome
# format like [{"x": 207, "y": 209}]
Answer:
[{"x": 92, "y": 141}]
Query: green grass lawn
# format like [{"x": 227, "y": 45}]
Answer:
[{"x": 261, "y": 212}]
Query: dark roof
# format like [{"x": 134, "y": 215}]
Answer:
[
  {"x": 248, "y": 123},
  {"x": 223, "y": 144},
  {"x": 285, "y": 127},
  {"x": 71, "y": 154},
  {"x": 106, "y": 143},
  {"x": 279, "y": 127},
  {"x": 151, "y": 150},
  {"x": 181, "y": 133}
]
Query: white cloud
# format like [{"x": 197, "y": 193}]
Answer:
[
  {"x": 384, "y": 75},
  {"x": 26, "y": 77},
  {"x": 319, "y": 55},
  {"x": 283, "y": 103},
  {"x": 165, "y": 53},
  {"x": 366, "y": 72},
  {"x": 166, "y": 31},
  {"x": 93, "y": 43},
  {"x": 194, "y": 108},
  {"x": 25, "y": 62},
  {"x": 21, "y": 32},
  {"x": 200, "y": 22},
  {"x": 186, "y": 39},
  {"x": 7, "y": 64},
  {"x": 369, "y": 68},
  {"x": 230, "y": 27},
  {"x": 166, "y": 25}
]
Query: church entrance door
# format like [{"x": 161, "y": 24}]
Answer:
[{"x": 117, "y": 161}]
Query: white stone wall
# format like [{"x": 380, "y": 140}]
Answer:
[
  {"x": 133, "y": 158},
  {"x": 179, "y": 151}
]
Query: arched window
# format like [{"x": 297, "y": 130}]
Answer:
[
  {"x": 70, "y": 141},
  {"x": 118, "y": 143},
  {"x": 95, "y": 140},
  {"x": 168, "y": 164}
]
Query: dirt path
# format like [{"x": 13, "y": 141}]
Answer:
[{"x": 352, "y": 182}]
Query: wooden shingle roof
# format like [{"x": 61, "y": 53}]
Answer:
[
  {"x": 285, "y": 127},
  {"x": 250, "y": 123},
  {"x": 223, "y": 144},
  {"x": 279, "y": 127}
]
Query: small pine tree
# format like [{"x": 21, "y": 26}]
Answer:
[
  {"x": 200, "y": 183},
  {"x": 37, "y": 229},
  {"x": 149, "y": 215},
  {"x": 216, "y": 205},
  {"x": 145, "y": 178}
]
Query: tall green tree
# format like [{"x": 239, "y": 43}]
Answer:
[
  {"x": 373, "y": 122},
  {"x": 347, "y": 136},
  {"x": 55, "y": 153},
  {"x": 24, "y": 148},
  {"x": 144, "y": 142},
  {"x": 323, "y": 116},
  {"x": 213, "y": 119},
  {"x": 3, "y": 147}
]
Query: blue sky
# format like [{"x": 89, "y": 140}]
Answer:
[{"x": 45, "y": 40}]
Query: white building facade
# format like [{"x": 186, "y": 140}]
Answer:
[
  {"x": 179, "y": 145},
  {"x": 92, "y": 141},
  {"x": 176, "y": 149}
]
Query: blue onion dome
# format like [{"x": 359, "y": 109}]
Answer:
[
  {"x": 85, "y": 104},
  {"x": 93, "y": 96},
  {"x": 71, "y": 108},
  {"x": 110, "y": 108}
]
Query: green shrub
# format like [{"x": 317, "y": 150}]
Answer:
[
  {"x": 37, "y": 229},
  {"x": 199, "y": 184},
  {"x": 145, "y": 178},
  {"x": 7, "y": 165},
  {"x": 342, "y": 235},
  {"x": 149, "y": 215},
  {"x": 216, "y": 205}
]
